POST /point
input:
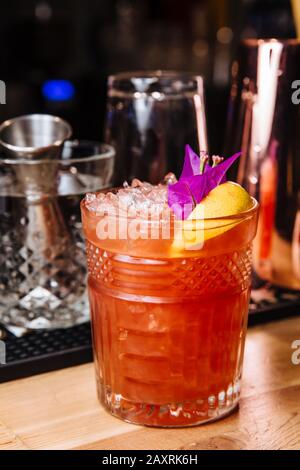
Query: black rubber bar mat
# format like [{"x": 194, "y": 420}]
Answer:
[{"x": 44, "y": 351}]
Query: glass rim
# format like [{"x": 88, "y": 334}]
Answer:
[
  {"x": 107, "y": 152},
  {"x": 157, "y": 73},
  {"x": 254, "y": 42},
  {"x": 169, "y": 83},
  {"x": 239, "y": 215},
  {"x": 224, "y": 220}
]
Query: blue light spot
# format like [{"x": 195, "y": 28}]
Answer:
[{"x": 58, "y": 90}]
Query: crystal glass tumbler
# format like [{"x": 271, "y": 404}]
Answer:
[
  {"x": 169, "y": 322},
  {"x": 42, "y": 262}
]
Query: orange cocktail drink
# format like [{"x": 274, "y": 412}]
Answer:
[{"x": 169, "y": 306}]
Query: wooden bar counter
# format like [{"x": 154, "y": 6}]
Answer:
[{"x": 59, "y": 410}]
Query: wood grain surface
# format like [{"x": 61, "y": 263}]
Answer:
[{"x": 59, "y": 410}]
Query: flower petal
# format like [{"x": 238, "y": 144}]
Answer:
[
  {"x": 191, "y": 189},
  {"x": 191, "y": 165},
  {"x": 180, "y": 199}
]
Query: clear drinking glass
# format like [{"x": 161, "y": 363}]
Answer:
[
  {"x": 150, "y": 117},
  {"x": 169, "y": 322},
  {"x": 42, "y": 261}
]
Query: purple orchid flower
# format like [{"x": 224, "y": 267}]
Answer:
[{"x": 192, "y": 186}]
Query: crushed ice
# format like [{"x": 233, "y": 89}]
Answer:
[{"x": 140, "y": 196}]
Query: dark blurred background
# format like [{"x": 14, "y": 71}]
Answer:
[{"x": 83, "y": 41}]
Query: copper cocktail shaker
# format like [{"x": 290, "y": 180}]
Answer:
[{"x": 264, "y": 122}]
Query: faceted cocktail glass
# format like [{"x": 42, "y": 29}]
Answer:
[
  {"x": 42, "y": 252},
  {"x": 169, "y": 321}
]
